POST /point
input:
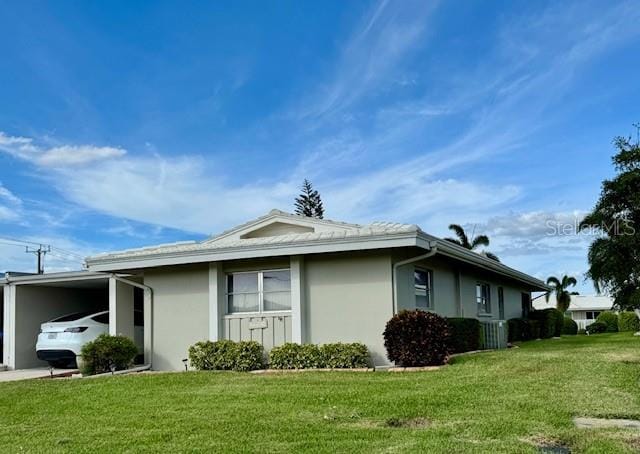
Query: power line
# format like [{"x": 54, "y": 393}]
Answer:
[
  {"x": 38, "y": 244},
  {"x": 40, "y": 253},
  {"x": 42, "y": 250}
]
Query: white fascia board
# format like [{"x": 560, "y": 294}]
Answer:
[
  {"x": 274, "y": 250},
  {"x": 56, "y": 277}
]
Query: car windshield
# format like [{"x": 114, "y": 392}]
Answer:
[{"x": 72, "y": 317}]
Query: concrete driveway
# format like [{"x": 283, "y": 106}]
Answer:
[{"x": 38, "y": 372}]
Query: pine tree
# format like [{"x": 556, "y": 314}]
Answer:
[{"x": 309, "y": 203}]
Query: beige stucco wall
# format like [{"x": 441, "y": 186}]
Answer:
[
  {"x": 180, "y": 312},
  {"x": 454, "y": 288},
  {"x": 36, "y": 305},
  {"x": 348, "y": 298}
]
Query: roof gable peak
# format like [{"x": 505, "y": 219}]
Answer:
[{"x": 277, "y": 223}]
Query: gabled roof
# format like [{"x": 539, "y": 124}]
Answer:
[
  {"x": 281, "y": 234},
  {"x": 322, "y": 233}
]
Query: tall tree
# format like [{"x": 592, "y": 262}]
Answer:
[
  {"x": 614, "y": 257},
  {"x": 309, "y": 202},
  {"x": 462, "y": 239},
  {"x": 560, "y": 289}
]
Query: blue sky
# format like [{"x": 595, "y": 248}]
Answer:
[{"x": 133, "y": 123}]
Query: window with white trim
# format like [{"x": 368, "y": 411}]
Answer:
[
  {"x": 483, "y": 298},
  {"x": 259, "y": 291},
  {"x": 422, "y": 283},
  {"x": 592, "y": 315}
]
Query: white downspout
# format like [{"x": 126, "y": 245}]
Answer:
[{"x": 433, "y": 250}]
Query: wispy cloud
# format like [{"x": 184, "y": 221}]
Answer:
[
  {"x": 370, "y": 56},
  {"x": 62, "y": 156},
  {"x": 10, "y": 205}
]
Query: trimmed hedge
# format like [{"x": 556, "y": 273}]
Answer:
[
  {"x": 551, "y": 322},
  {"x": 226, "y": 355},
  {"x": 295, "y": 356},
  {"x": 417, "y": 338},
  {"x": 464, "y": 334},
  {"x": 311, "y": 356},
  {"x": 570, "y": 327},
  {"x": 105, "y": 351},
  {"x": 596, "y": 327},
  {"x": 628, "y": 321},
  {"x": 345, "y": 356},
  {"x": 522, "y": 329},
  {"x": 610, "y": 319}
]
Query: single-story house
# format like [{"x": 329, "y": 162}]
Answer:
[
  {"x": 584, "y": 309},
  {"x": 288, "y": 278}
]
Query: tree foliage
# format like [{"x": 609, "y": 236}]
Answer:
[
  {"x": 309, "y": 202},
  {"x": 614, "y": 257},
  {"x": 560, "y": 289},
  {"x": 462, "y": 239}
]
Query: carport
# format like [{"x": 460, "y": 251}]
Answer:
[{"x": 30, "y": 300}]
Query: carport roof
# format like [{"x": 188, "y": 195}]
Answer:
[{"x": 67, "y": 276}]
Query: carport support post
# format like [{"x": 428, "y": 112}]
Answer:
[
  {"x": 120, "y": 308},
  {"x": 9, "y": 357}
]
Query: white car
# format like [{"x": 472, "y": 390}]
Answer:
[{"x": 61, "y": 339}]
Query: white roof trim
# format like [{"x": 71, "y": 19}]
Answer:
[{"x": 54, "y": 277}]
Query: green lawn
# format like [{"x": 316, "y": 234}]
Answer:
[{"x": 491, "y": 402}]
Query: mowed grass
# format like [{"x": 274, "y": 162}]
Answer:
[{"x": 505, "y": 401}]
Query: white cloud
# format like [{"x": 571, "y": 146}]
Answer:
[
  {"x": 10, "y": 205},
  {"x": 371, "y": 55},
  {"x": 61, "y": 156},
  {"x": 72, "y": 155}
]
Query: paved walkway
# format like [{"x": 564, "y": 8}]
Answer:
[{"x": 40, "y": 372}]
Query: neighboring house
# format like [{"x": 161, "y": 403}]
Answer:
[
  {"x": 287, "y": 278},
  {"x": 584, "y": 309}
]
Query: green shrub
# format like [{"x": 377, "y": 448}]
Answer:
[
  {"x": 628, "y": 321},
  {"x": 99, "y": 355},
  {"x": 296, "y": 356},
  {"x": 464, "y": 334},
  {"x": 610, "y": 319},
  {"x": 522, "y": 329},
  {"x": 249, "y": 356},
  {"x": 344, "y": 356},
  {"x": 570, "y": 326},
  {"x": 417, "y": 338},
  {"x": 534, "y": 328},
  {"x": 226, "y": 355},
  {"x": 551, "y": 322},
  {"x": 596, "y": 327},
  {"x": 517, "y": 329}
]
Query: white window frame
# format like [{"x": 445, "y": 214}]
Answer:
[
  {"x": 482, "y": 306},
  {"x": 429, "y": 272},
  {"x": 260, "y": 292}
]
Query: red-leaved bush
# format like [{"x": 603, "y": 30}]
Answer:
[{"x": 416, "y": 338}]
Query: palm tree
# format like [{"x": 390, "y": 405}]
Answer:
[
  {"x": 560, "y": 288},
  {"x": 463, "y": 240}
]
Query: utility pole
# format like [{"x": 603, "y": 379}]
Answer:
[{"x": 40, "y": 253}]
